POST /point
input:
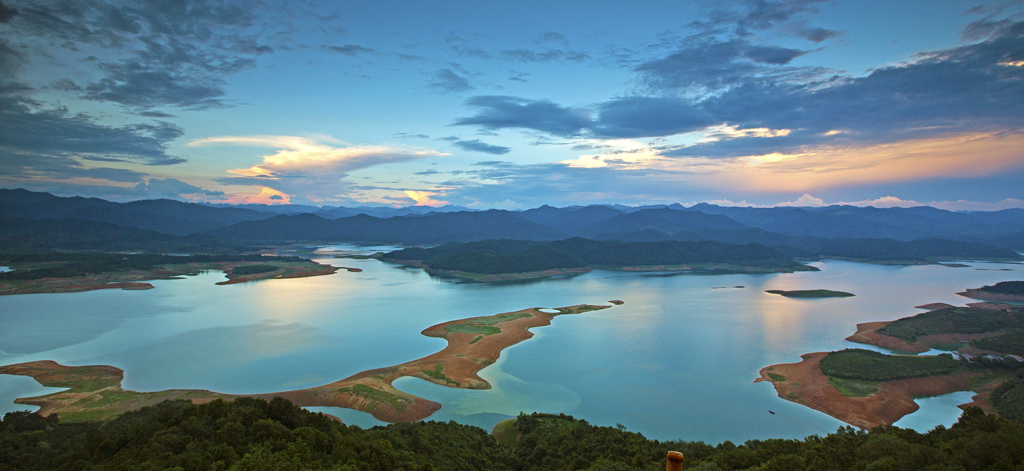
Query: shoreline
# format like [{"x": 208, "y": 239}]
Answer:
[
  {"x": 137, "y": 279},
  {"x": 95, "y": 391},
  {"x": 804, "y": 383},
  {"x": 986, "y": 296},
  {"x": 883, "y": 402}
]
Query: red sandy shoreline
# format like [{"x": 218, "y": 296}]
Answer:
[
  {"x": 804, "y": 383},
  {"x": 95, "y": 391}
]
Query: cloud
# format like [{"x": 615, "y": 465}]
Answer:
[
  {"x": 552, "y": 37},
  {"x": 817, "y": 34},
  {"x": 447, "y": 81},
  {"x": 349, "y": 50},
  {"x": 518, "y": 76},
  {"x": 967, "y": 90},
  {"x": 424, "y": 198},
  {"x": 498, "y": 112},
  {"x": 308, "y": 169},
  {"x": 648, "y": 116},
  {"x": 149, "y": 54},
  {"x": 476, "y": 146},
  {"x": 743, "y": 18},
  {"x": 804, "y": 201},
  {"x": 707, "y": 65},
  {"x": 547, "y": 55},
  {"x": 58, "y": 134},
  {"x": 961, "y": 205},
  {"x": 884, "y": 202},
  {"x": 171, "y": 188}
]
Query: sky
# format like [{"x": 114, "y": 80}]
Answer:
[{"x": 516, "y": 104}]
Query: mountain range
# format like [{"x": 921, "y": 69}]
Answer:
[{"x": 76, "y": 223}]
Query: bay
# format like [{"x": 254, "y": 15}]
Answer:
[{"x": 676, "y": 361}]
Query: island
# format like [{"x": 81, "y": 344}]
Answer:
[
  {"x": 511, "y": 260},
  {"x": 810, "y": 293},
  {"x": 83, "y": 271},
  {"x": 867, "y": 389},
  {"x": 94, "y": 392}
]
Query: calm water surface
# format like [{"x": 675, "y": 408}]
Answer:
[{"x": 677, "y": 361}]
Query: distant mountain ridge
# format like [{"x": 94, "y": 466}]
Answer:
[{"x": 808, "y": 229}]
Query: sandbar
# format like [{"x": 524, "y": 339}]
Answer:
[{"x": 95, "y": 391}]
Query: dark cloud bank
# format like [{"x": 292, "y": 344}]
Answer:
[{"x": 969, "y": 88}]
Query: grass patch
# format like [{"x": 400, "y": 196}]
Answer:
[
  {"x": 852, "y": 387},
  {"x": 776, "y": 376},
  {"x": 437, "y": 374},
  {"x": 397, "y": 402},
  {"x": 499, "y": 318},
  {"x": 88, "y": 415},
  {"x": 505, "y": 433},
  {"x": 477, "y": 339},
  {"x": 472, "y": 329},
  {"x": 253, "y": 269},
  {"x": 580, "y": 309}
]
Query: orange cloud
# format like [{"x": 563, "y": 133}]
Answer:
[
  {"x": 967, "y": 155},
  {"x": 423, "y": 198},
  {"x": 266, "y": 195}
]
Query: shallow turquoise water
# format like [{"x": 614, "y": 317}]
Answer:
[{"x": 677, "y": 361}]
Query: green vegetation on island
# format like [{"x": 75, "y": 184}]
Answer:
[
  {"x": 494, "y": 257},
  {"x": 867, "y": 365},
  {"x": 810, "y": 293},
  {"x": 253, "y": 269},
  {"x": 1005, "y": 287},
  {"x": 47, "y": 272},
  {"x": 252, "y": 434},
  {"x": 955, "y": 320},
  {"x": 32, "y": 266}
]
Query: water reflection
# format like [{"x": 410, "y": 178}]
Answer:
[{"x": 676, "y": 361}]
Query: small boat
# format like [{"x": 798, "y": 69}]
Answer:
[{"x": 771, "y": 412}]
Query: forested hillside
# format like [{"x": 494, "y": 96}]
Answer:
[{"x": 250, "y": 434}]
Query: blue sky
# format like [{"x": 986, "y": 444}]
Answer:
[{"x": 516, "y": 104}]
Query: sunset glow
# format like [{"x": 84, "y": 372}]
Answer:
[{"x": 513, "y": 105}]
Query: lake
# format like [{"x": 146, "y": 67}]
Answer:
[{"x": 676, "y": 361}]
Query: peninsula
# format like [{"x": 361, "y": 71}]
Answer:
[
  {"x": 95, "y": 392},
  {"x": 72, "y": 272},
  {"x": 868, "y": 389},
  {"x": 1009, "y": 291}
]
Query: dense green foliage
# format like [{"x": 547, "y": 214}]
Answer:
[
  {"x": 511, "y": 256},
  {"x": 1008, "y": 398},
  {"x": 1005, "y": 287},
  {"x": 1010, "y": 342},
  {"x": 250, "y": 434},
  {"x": 252, "y": 269},
  {"x": 246, "y": 434},
  {"x": 954, "y": 320},
  {"x": 63, "y": 265},
  {"x": 855, "y": 363}
]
